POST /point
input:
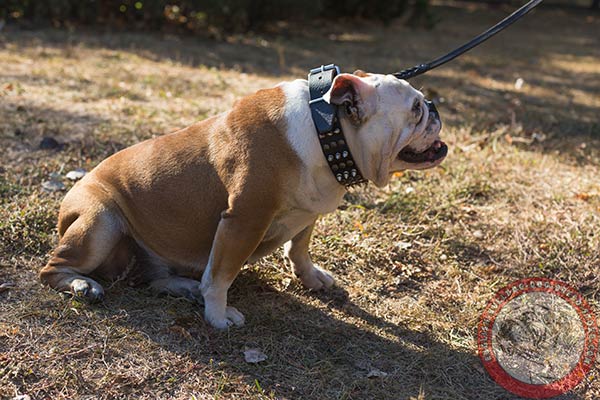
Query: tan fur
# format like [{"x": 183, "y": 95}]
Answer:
[{"x": 170, "y": 193}]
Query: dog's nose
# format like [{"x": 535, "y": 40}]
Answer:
[
  {"x": 433, "y": 111},
  {"x": 431, "y": 107}
]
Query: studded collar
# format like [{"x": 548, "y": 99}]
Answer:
[{"x": 331, "y": 137}]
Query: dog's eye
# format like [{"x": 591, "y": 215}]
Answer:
[{"x": 417, "y": 109}]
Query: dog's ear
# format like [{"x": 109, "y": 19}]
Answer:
[
  {"x": 360, "y": 73},
  {"x": 350, "y": 92}
]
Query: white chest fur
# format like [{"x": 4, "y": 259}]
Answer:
[{"x": 317, "y": 191}]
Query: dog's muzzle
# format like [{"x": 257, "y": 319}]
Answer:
[{"x": 438, "y": 149}]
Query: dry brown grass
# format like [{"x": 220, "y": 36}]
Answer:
[{"x": 416, "y": 262}]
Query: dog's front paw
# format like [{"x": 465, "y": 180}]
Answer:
[
  {"x": 232, "y": 317},
  {"x": 316, "y": 278}
]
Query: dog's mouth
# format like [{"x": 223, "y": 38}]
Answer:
[{"x": 435, "y": 152}]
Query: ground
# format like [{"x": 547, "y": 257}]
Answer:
[{"x": 416, "y": 262}]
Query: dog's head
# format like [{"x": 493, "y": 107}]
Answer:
[{"x": 388, "y": 124}]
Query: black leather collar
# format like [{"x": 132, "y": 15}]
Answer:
[{"x": 325, "y": 116}]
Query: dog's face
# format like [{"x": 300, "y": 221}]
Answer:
[{"x": 389, "y": 125}]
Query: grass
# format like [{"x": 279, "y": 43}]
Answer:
[{"x": 416, "y": 262}]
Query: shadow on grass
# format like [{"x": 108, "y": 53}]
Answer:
[
  {"x": 319, "y": 346},
  {"x": 314, "y": 352},
  {"x": 23, "y": 124}
]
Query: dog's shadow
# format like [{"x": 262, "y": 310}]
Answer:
[{"x": 319, "y": 345}]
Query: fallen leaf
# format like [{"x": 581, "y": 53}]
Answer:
[
  {"x": 76, "y": 174},
  {"x": 53, "y": 186},
  {"x": 254, "y": 356},
  {"x": 375, "y": 373},
  {"x": 359, "y": 226},
  {"x": 519, "y": 83},
  {"x": 540, "y": 137},
  {"x": 403, "y": 245},
  {"x": 583, "y": 196}
]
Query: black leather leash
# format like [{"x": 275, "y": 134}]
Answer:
[{"x": 422, "y": 68}]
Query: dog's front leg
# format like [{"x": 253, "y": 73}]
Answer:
[
  {"x": 296, "y": 251},
  {"x": 240, "y": 231}
]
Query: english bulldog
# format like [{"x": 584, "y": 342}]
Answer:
[{"x": 185, "y": 211}]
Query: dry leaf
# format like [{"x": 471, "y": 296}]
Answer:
[
  {"x": 403, "y": 245},
  {"x": 375, "y": 373},
  {"x": 254, "y": 356},
  {"x": 519, "y": 83},
  {"x": 53, "y": 186},
  {"x": 76, "y": 174},
  {"x": 583, "y": 196}
]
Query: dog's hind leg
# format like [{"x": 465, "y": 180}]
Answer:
[{"x": 87, "y": 239}]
